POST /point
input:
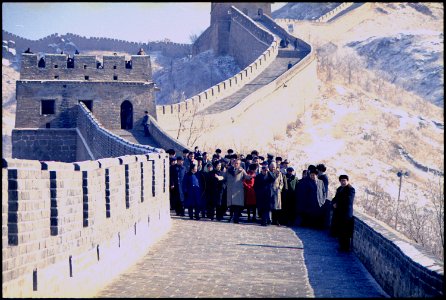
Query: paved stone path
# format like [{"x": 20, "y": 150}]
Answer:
[
  {"x": 136, "y": 136},
  {"x": 219, "y": 259}
]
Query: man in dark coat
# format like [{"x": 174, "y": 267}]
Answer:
[
  {"x": 342, "y": 224},
  {"x": 262, "y": 187},
  {"x": 289, "y": 198},
  {"x": 177, "y": 173},
  {"x": 217, "y": 186},
  {"x": 193, "y": 192},
  {"x": 311, "y": 197}
]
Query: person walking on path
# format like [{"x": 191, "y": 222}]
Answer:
[
  {"x": 235, "y": 192},
  {"x": 343, "y": 221}
]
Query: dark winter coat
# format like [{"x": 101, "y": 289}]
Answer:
[
  {"x": 177, "y": 173},
  {"x": 216, "y": 188},
  {"x": 342, "y": 223},
  {"x": 262, "y": 187},
  {"x": 193, "y": 189}
]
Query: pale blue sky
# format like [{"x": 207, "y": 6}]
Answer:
[{"x": 132, "y": 21}]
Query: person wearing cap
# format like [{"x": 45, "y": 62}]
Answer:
[
  {"x": 229, "y": 153},
  {"x": 283, "y": 166},
  {"x": 197, "y": 151},
  {"x": 185, "y": 153},
  {"x": 235, "y": 191},
  {"x": 269, "y": 158},
  {"x": 177, "y": 173},
  {"x": 190, "y": 160},
  {"x": 343, "y": 221},
  {"x": 262, "y": 188},
  {"x": 311, "y": 197},
  {"x": 289, "y": 198}
]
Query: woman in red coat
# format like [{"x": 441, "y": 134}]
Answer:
[{"x": 250, "y": 194}]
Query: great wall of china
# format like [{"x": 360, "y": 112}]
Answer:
[{"x": 106, "y": 201}]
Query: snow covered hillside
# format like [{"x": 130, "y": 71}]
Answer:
[{"x": 189, "y": 76}]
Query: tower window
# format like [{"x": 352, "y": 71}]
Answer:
[
  {"x": 56, "y": 66},
  {"x": 115, "y": 77},
  {"x": 114, "y": 67},
  {"x": 87, "y": 77},
  {"x": 85, "y": 66},
  {"x": 56, "y": 77},
  {"x": 47, "y": 107}
]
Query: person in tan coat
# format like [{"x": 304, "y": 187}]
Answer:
[
  {"x": 276, "y": 192},
  {"x": 235, "y": 190}
]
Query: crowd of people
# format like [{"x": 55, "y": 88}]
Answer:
[{"x": 267, "y": 187}]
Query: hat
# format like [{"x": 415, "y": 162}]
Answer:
[
  {"x": 179, "y": 158},
  {"x": 321, "y": 167},
  {"x": 265, "y": 164},
  {"x": 343, "y": 177},
  {"x": 270, "y": 155},
  {"x": 312, "y": 167},
  {"x": 313, "y": 171},
  {"x": 289, "y": 169},
  {"x": 171, "y": 159},
  {"x": 285, "y": 161}
]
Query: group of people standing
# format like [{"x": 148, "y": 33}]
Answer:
[{"x": 268, "y": 189}]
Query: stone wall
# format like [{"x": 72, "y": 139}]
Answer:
[
  {"x": 83, "y": 43},
  {"x": 85, "y": 67},
  {"x": 329, "y": 25},
  {"x": 168, "y": 116},
  {"x": 165, "y": 140},
  {"x": 69, "y": 228},
  {"x": 44, "y": 144},
  {"x": 401, "y": 267},
  {"x": 101, "y": 142},
  {"x": 107, "y": 98},
  {"x": 247, "y": 40}
]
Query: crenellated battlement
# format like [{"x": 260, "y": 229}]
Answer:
[{"x": 85, "y": 67}]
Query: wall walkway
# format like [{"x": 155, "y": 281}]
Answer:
[{"x": 244, "y": 260}]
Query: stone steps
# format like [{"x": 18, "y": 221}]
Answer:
[{"x": 136, "y": 136}]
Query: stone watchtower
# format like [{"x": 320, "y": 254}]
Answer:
[
  {"x": 115, "y": 90},
  {"x": 220, "y": 25}
]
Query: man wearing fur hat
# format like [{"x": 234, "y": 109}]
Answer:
[{"x": 342, "y": 223}]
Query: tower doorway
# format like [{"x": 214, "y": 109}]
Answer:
[{"x": 126, "y": 115}]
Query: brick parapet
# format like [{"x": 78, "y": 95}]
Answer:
[
  {"x": 56, "y": 67},
  {"x": 83, "y": 43},
  {"x": 400, "y": 266},
  {"x": 104, "y": 143},
  {"x": 72, "y": 198}
]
